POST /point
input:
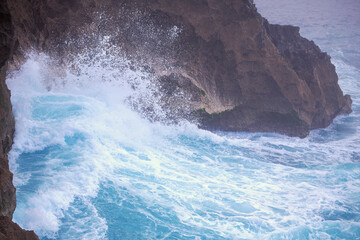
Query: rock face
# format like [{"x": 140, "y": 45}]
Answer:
[
  {"x": 7, "y": 124},
  {"x": 315, "y": 68},
  {"x": 8, "y": 229},
  {"x": 242, "y": 73}
]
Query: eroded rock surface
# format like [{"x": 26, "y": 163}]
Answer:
[
  {"x": 7, "y": 124},
  {"x": 12, "y": 231},
  {"x": 250, "y": 75},
  {"x": 8, "y": 229}
]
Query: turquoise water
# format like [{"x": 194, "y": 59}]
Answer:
[{"x": 89, "y": 167}]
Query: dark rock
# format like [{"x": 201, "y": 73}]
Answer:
[
  {"x": 8, "y": 229},
  {"x": 7, "y": 124}
]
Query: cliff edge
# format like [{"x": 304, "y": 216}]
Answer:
[
  {"x": 237, "y": 71},
  {"x": 8, "y": 229}
]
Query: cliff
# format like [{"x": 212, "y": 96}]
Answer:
[
  {"x": 234, "y": 71},
  {"x": 8, "y": 229},
  {"x": 7, "y": 124}
]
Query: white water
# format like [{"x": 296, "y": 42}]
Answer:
[{"x": 87, "y": 166}]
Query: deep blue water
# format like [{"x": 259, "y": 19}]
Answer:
[{"x": 88, "y": 167}]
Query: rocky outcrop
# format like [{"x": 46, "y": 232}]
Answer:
[
  {"x": 315, "y": 68},
  {"x": 255, "y": 76},
  {"x": 245, "y": 74},
  {"x": 7, "y": 124},
  {"x": 8, "y": 229}
]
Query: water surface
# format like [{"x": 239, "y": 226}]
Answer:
[{"x": 88, "y": 167}]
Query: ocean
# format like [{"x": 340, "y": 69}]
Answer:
[{"x": 87, "y": 166}]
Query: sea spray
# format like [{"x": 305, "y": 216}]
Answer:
[
  {"x": 88, "y": 166},
  {"x": 90, "y": 161}
]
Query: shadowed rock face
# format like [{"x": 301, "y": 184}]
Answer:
[
  {"x": 12, "y": 231},
  {"x": 7, "y": 124},
  {"x": 8, "y": 229},
  {"x": 313, "y": 67}
]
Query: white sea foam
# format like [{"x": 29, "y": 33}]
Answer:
[
  {"x": 229, "y": 185},
  {"x": 82, "y": 155}
]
